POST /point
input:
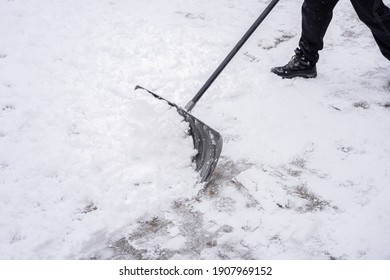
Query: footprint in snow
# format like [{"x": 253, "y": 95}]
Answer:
[
  {"x": 361, "y": 104},
  {"x": 3, "y": 165},
  {"x": 191, "y": 15},
  {"x": 251, "y": 57},
  {"x": 385, "y": 105},
  {"x": 271, "y": 44},
  {"x": 8, "y": 108}
]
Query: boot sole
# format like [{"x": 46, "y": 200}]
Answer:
[
  {"x": 306, "y": 76},
  {"x": 296, "y": 74}
]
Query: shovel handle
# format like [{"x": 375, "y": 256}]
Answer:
[{"x": 230, "y": 56}]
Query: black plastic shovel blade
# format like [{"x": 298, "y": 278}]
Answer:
[{"x": 207, "y": 141}]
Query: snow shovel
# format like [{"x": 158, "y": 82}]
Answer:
[{"x": 207, "y": 141}]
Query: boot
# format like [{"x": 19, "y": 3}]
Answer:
[{"x": 298, "y": 66}]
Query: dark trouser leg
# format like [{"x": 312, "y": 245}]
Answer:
[
  {"x": 376, "y": 16},
  {"x": 316, "y": 16}
]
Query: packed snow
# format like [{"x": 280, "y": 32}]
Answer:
[{"x": 91, "y": 169}]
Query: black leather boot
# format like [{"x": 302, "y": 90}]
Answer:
[{"x": 298, "y": 66}]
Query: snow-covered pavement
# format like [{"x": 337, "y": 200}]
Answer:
[{"x": 90, "y": 169}]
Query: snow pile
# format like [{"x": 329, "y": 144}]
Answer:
[{"x": 70, "y": 179}]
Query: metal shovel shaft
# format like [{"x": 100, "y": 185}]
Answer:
[
  {"x": 207, "y": 141},
  {"x": 230, "y": 56}
]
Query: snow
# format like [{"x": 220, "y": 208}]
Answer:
[{"x": 90, "y": 169}]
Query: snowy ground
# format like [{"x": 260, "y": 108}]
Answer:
[{"x": 91, "y": 169}]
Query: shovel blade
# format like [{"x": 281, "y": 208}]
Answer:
[{"x": 207, "y": 141}]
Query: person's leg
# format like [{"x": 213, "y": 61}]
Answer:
[
  {"x": 376, "y": 16},
  {"x": 316, "y": 17}
]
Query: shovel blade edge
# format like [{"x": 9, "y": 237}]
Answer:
[{"x": 207, "y": 141}]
